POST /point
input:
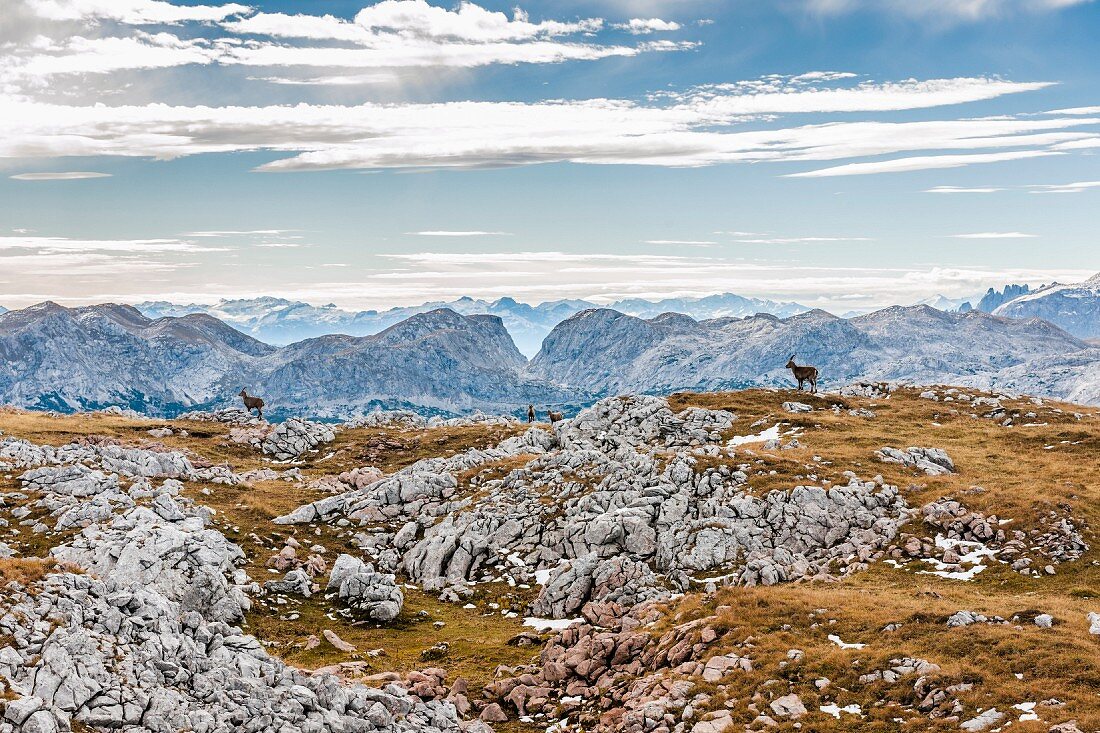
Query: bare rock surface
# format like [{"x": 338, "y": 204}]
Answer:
[
  {"x": 134, "y": 631},
  {"x": 637, "y": 515},
  {"x": 933, "y": 461},
  {"x": 292, "y": 438}
]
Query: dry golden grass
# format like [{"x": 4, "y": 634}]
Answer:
[
  {"x": 1025, "y": 471},
  {"x": 1022, "y": 479},
  {"x": 25, "y": 571}
]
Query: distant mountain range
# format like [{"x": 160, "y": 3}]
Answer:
[
  {"x": 444, "y": 362},
  {"x": 1075, "y": 308},
  {"x": 605, "y": 352},
  {"x": 67, "y": 359},
  {"x": 279, "y": 321}
]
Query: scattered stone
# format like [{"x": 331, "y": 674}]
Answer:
[
  {"x": 933, "y": 461},
  {"x": 294, "y": 437},
  {"x": 984, "y": 721},
  {"x": 788, "y": 706},
  {"x": 336, "y": 641}
]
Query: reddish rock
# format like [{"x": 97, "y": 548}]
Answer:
[{"x": 493, "y": 714}]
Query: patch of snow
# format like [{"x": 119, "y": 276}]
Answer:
[
  {"x": 970, "y": 553},
  {"x": 549, "y": 624},
  {"x": 842, "y": 644},
  {"x": 771, "y": 433},
  {"x": 1027, "y": 710},
  {"x": 835, "y": 710}
]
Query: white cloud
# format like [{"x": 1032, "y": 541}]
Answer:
[
  {"x": 695, "y": 132},
  {"x": 80, "y": 55},
  {"x": 802, "y": 240},
  {"x": 682, "y": 242},
  {"x": 64, "y": 262},
  {"x": 1088, "y": 143},
  {"x": 133, "y": 12},
  {"x": 468, "y": 22},
  {"x": 238, "y": 233},
  {"x": 771, "y": 96},
  {"x": 444, "y": 233},
  {"x": 64, "y": 244},
  {"x": 59, "y": 176},
  {"x": 959, "y": 189},
  {"x": 1065, "y": 187},
  {"x": 1077, "y": 111},
  {"x": 995, "y": 235},
  {"x": 644, "y": 26},
  {"x": 387, "y": 35},
  {"x": 927, "y": 162},
  {"x": 64, "y": 268}
]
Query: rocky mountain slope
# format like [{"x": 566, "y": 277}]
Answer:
[
  {"x": 280, "y": 321},
  {"x": 1075, "y": 308},
  {"x": 82, "y": 358},
  {"x": 603, "y": 352},
  {"x": 437, "y": 361},
  {"x": 442, "y": 362},
  {"x": 993, "y": 298},
  {"x": 878, "y": 559}
]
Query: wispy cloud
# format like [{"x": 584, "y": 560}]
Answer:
[
  {"x": 1065, "y": 187},
  {"x": 699, "y": 131},
  {"x": 59, "y": 176},
  {"x": 995, "y": 235},
  {"x": 919, "y": 163},
  {"x": 239, "y": 233},
  {"x": 961, "y": 189},
  {"x": 446, "y": 233},
  {"x": 1076, "y": 111},
  {"x": 133, "y": 12},
  {"x": 803, "y": 240},
  {"x": 65, "y": 260},
  {"x": 64, "y": 244},
  {"x": 682, "y": 242},
  {"x": 644, "y": 26},
  {"x": 386, "y": 35}
]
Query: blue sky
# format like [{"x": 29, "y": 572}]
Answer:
[{"x": 843, "y": 153}]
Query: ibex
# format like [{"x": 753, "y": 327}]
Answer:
[
  {"x": 803, "y": 374},
  {"x": 554, "y": 416},
  {"x": 252, "y": 403}
]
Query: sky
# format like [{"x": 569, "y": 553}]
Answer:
[{"x": 845, "y": 154}]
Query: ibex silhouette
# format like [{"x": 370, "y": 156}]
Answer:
[
  {"x": 252, "y": 403},
  {"x": 803, "y": 374}
]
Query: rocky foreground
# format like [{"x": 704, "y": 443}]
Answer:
[{"x": 874, "y": 559}]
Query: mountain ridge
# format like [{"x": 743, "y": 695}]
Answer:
[
  {"x": 280, "y": 321},
  {"x": 1074, "y": 307},
  {"x": 444, "y": 362}
]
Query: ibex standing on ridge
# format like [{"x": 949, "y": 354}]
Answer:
[
  {"x": 554, "y": 416},
  {"x": 252, "y": 403},
  {"x": 803, "y": 374}
]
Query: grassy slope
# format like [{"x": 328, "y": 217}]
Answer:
[{"x": 1025, "y": 471}]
